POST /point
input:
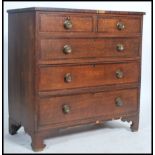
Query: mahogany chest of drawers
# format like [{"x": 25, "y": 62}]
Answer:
[{"x": 70, "y": 68}]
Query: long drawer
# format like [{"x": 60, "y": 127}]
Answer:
[
  {"x": 78, "y": 107},
  {"x": 51, "y": 49},
  {"x": 76, "y": 76}
]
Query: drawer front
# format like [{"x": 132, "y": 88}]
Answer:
[
  {"x": 64, "y": 77},
  {"x": 65, "y": 23},
  {"x": 119, "y": 24},
  {"x": 88, "y": 48},
  {"x": 77, "y": 107}
]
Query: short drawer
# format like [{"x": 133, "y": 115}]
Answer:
[
  {"x": 65, "y": 23},
  {"x": 64, "y": 77},
  {"x": 119, "y": 24},
  {"x": 79, "y": 107},
  {"x": 51, "y": 49}
]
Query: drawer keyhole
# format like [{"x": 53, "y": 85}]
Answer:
[{"x": 93, "y": 65}]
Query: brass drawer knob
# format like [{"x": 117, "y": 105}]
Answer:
[
  {"x": 68, "y": 78},
  {"x": 67, "y": 49},
  {"x": 119, "y": 74},
  {"x": 120, "y": 26},
  {"x": 66, "y": 109},
  {"x": 68, "y": 24},
  {"x": 118, "y": 102},
  {"x": 120, "y": 47}
]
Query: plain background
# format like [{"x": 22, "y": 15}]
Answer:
[{"x": 115, "y": 136}]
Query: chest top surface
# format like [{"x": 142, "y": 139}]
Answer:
[{"x": 48, "y": 9}]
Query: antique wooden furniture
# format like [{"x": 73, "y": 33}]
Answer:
[{"x": 70, "y": 68}]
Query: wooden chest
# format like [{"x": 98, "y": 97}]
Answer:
[{"x": 70, "y": 68}]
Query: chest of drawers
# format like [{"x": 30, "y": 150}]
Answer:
[{"x": 69, "y": 68}]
